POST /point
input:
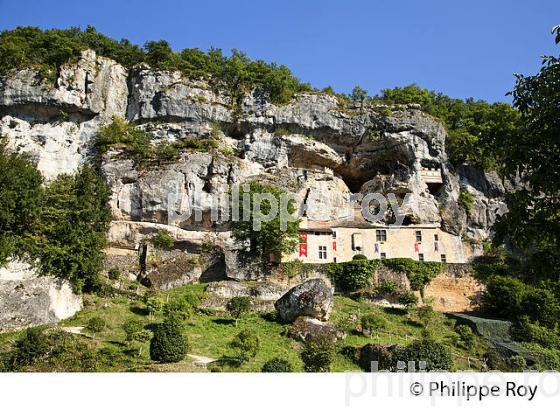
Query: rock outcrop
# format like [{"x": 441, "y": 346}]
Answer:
[
  {"x": 313, "y": 298},
  {"x": 27, "y": 299}
]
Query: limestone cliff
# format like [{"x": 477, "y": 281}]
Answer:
[{"x": 312, "y": 146}]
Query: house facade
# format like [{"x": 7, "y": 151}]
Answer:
[{"x": 325, "y": 242}]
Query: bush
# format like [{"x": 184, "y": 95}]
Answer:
[
  {"x": 517, "y": 363},
  {"x": 524, "y": 331},
  {"x": 318, "y": 355},
  {"x": 466, "y": 199},
  {"x": 503, "y": 296},
  {"x": 277, "y": 365},
  {"x": 164, "y": 240},
  {"x": 371, "y": 322},
  {"x": 436, "y": 356},
  {"x": 246, "y": 344},
  {"x": 96, "y": 324},
  {"x": 468, "y": 338},
  {"x": 408, "y": 299},
  {"x": 238, "y": 306},
  {"x": 359, "y": 257},
  {"x": 168, "y": 345},
  {"x": 352, "y": 276},
  {"x": 114, "y": 274},
  {"x": 154, "y": 304},
  {"x": 32, "y": 346}
]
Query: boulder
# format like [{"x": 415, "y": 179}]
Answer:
[
  {"x": 27, "y": 299},
  {"x": 313, "y": 298},
  {"x": 262, "y": 294},
  {"x": 307, "y": 329}
]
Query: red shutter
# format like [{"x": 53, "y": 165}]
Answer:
[
  {"x": 334, "y": 245},
  {"x": 416, "y": 247},
  {"x": 303, "y": 249}
]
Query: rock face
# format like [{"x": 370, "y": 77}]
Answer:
[
  {"x": 313, "y": 298},
  {"x": 312, "y": 147},
  {"x": 27, "y": 299},
  {"x": 263, "y": 295}
]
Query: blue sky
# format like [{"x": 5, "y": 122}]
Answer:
[{"x": 466, "y": 48}]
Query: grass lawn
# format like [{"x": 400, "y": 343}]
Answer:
[{"x": 209, "y": 333}]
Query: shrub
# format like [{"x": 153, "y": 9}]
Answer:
[
  {"x": 277, "y": 365},
  {"x": 246, "y": 344},
  {"x": 524, "y": 331},
  {"x": 375, "y": 357},
  {"x": 352, "y": 276},
  {"x": 436, "y": 355},
  {"x": 408, "y": 299},
  {"x": 371, "y": 322},
  {"x": 30, "y": 347},
  {"x": 164, "y": 240},
  {"x": 96, "y": 324},
  {"x": 168, "y": 345},
  {"x": 466, "y": 199},
  {"x": 318, "y": 355},
  {"x": 114, "y": 274},
  {"x": 359, "y": 257},
  {"x": 154, "y": 304},
  {"x": 238, "y": 306},
  {"x": 468, "y": 338}
]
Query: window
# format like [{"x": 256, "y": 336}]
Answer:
[
  {"x": 381, "y": 235},
  {"x": 421, "y": 257},
  {"x": 334, "y": 234},
  {"x": 418, "y": 236},
  {"x": 443, "y": 258},
  {"x": 322, "y": 252},
  {"x": 383, "y": 255},
  {"x": 436, "y": 237},
  {"x": 357, "y": 241}
]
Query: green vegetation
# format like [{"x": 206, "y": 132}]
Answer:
[
  {"x": 246, "y": 344},
  {"x": 466, "y": 199},
  {"x": 123, "y": 345},
  {"x": 63, "y": 225},
  {"x": 277, "y": 365},
  {"x": 47, "y": 50},
  {"x": 318, "y": 354},
  {"x": 475, "y": 129},
  {"x": 96, "y": 324},
  {"x": 371, "y": 322},
  {"x": 352, "y": 276},
  {"x": 164, "y": 239},
  {"x": 265, "y": 239},
  {"x": 358, "y": 273},
  {"x": 238, "y": 306},
  {"x": 168, "y": 345},
  {"x": 418, "y": 273}
]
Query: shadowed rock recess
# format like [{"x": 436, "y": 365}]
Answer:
[{"x": 310, "y": 146}]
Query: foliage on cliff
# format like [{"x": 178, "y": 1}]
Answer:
[{"x": 47, "y": 50}]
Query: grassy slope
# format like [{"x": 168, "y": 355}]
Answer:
[{"x": 209, "y": 333}]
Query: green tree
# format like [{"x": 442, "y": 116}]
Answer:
[
  {"x": 168, "y": 345},
  {"x": 359, "y": 96},
  {"x": 271, "y": 240},
  {"x": 238, "y": 306},
  {"x": 532, "y": 223},
  {"x": 73, "y": 228},
  {"x": 20, "y": 201}
]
